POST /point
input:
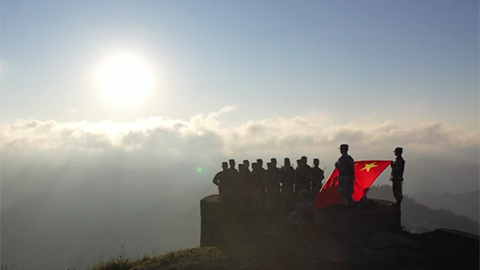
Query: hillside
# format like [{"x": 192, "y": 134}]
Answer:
[
  {"x": 418, "y": 218},
  {"x": 466, "y": 204},
  {"x": 272, "y": 243}
]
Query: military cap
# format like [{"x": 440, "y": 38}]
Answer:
[
  {"x": 231, "y": 160},
  {"x": 303, "y": 157},
  {"x": 398, "y": 150},
  {"x": 224, "y": 163},
  {"x": 344, "y": 146},
  {"x": 245, "y": 161},
  {"x": 259, "y": 160},
  {"x": 273, "y": 159}
]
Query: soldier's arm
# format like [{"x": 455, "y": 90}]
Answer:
[
  {"x": 216, "y": 179},
  {"x": 396, "y": 166}
]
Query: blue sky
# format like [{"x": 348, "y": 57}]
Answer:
[{"x": 339, "y": 64}]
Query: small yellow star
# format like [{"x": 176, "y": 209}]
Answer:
[{"x": 369, "y": 166}]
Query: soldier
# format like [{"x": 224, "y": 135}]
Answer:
[
  {"x": 304, "y": 161},
  {"x": 272, "y": 182},
  {"x": 257, "y": 190},
  {"x": 317, "y": 177},
  {"x": 232, "y": 169},
  {"x": 242, "y": 189},
  {"x": 398, "y": 166},
  {"x": 276, "y": 170},
  {"x": 346, "y": 176},
  {"x": 302, "y": 180},
  {"x": 287, "y": 179},
  {"x": 302, "y": 216},
  {"x": 225, "y": 187},
  {"x": 246, "y": 163},
  {"x": 260, "y": 165}
]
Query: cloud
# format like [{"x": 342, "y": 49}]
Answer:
[
  {"x": 163, "y": 140},
  {"x": 71, "y": 110}
]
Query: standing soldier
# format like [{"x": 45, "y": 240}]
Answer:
[
  {"x": 287, "y": 178},
  {"x": 274, "y": 165},
  {"x": 246, "y": 163},
  {"x": 242, "y": 189},
  {"x": 233, "y": 175},
  {"x": 232, "y": 169},
  {"x": 346, "y": 176},
  {"x": 260, "y": 165},
  {"x": 398, "y": 166},
  {"x": 317, "y": 177},
  {"x": 302, "y": 180},
  {"x": 272, "y": 183},
  {"x": 257, "y": 190},
  {"x": 225, "y": 187}
]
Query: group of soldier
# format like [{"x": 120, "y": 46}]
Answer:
[
  {"x": 267, "y": 190},
  {"x": 280, "y": 189}
]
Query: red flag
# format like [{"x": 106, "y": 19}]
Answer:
[{"x": 366, "y": 171}]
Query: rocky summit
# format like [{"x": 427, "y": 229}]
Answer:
[{"x": 368, "y": 238}]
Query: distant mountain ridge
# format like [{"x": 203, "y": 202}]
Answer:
[{"x": 466, "y": 204}]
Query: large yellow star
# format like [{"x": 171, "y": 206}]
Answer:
[{"x": 369, "y": 166}]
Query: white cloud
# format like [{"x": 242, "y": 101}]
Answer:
[
  {"x": 71, "y": 110},
  {"x": 157, "y": 139}
]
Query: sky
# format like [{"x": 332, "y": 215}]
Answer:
[{"x": 241, "y": 79}]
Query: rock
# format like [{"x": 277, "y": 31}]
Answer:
[
  {"x": 388, "y": 240},
  {"x": 212, "y": 219}
]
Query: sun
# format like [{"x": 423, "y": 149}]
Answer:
[{"x": 124, "y": 80}]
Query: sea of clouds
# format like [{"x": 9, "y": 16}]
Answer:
[{"x": 158, "y": 141}]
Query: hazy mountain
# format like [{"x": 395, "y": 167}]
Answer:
[
  {"x": 74, "y": 215},
  {"x": 80, "y": 207},
  {"x": 466, "y": 204},
  {"x": 423, "y": 218}
]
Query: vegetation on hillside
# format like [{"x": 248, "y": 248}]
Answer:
[{"x": 194, "y": 258}]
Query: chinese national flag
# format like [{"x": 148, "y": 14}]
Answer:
[{"x": 366, "y": 171}]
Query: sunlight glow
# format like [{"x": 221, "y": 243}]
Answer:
[{"x": 124, "y": 80}]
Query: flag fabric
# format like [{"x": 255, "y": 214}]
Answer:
[{"x": 366, "y": 171}]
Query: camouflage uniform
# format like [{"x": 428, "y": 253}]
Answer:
[
  {"x": 398, "y": 166},
  {"x": 346, "y": 176},
  {"x": 303, "y": 213}
]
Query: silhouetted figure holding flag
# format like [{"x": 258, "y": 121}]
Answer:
[
  {"x": 398, "y": 166},
  {"x": 346, "y": 176}
]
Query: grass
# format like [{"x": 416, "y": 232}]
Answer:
[{"x": 194, "y": 258}]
